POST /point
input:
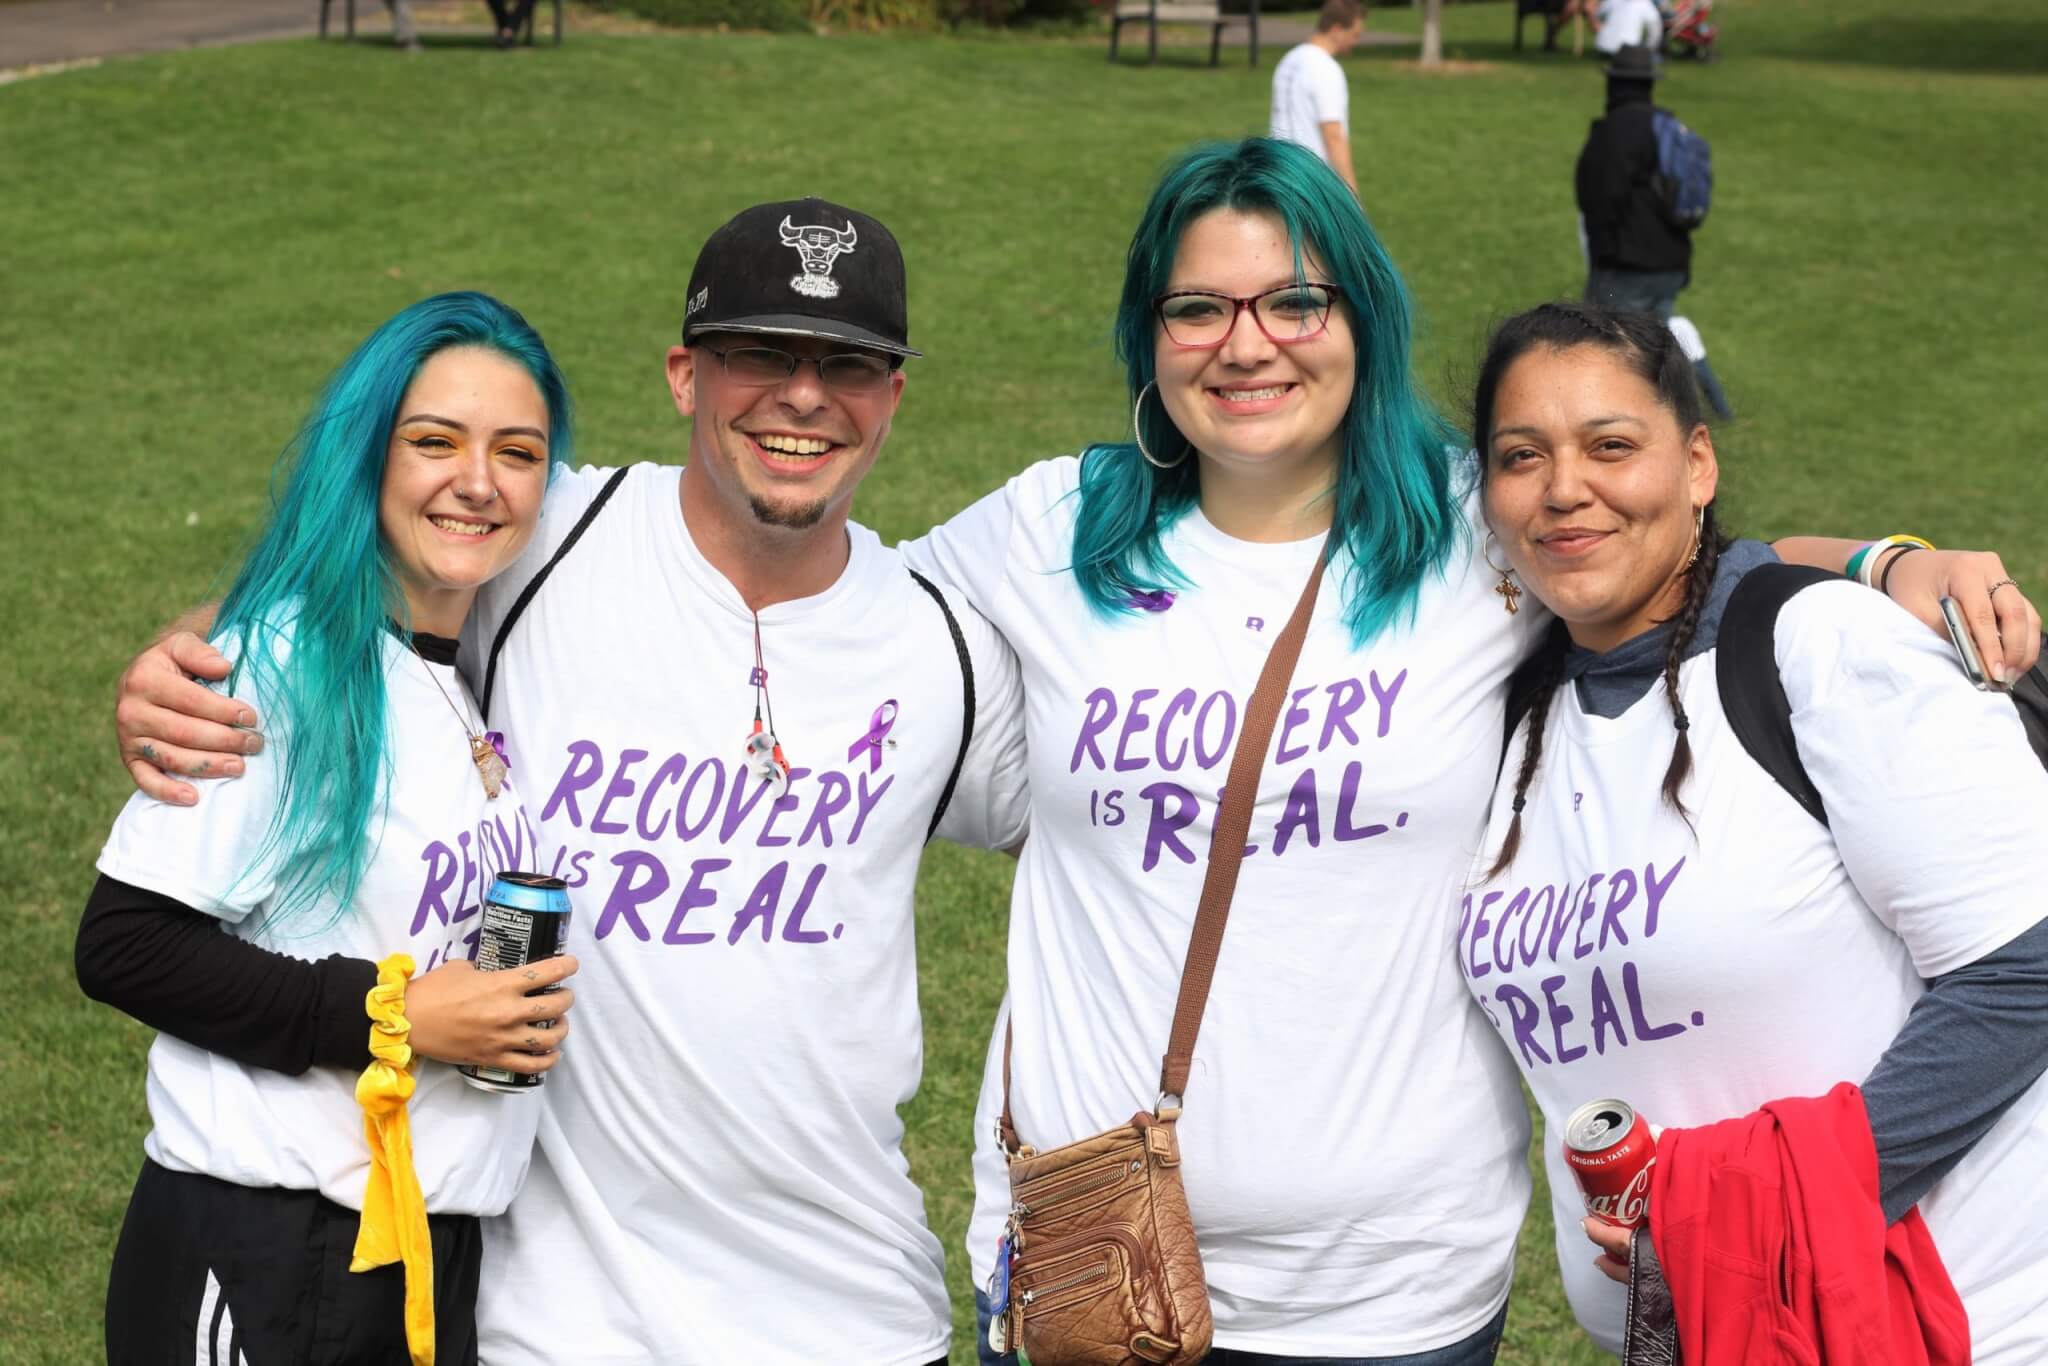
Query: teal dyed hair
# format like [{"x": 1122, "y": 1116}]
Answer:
[
  {"x": 309, "y": 606},
  {"x": 1393, "y": 506}
]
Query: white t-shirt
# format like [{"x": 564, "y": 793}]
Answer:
[
  {"x": 1309, "y": 91},
  {"x": 438, "y": 842},
  {"x": 1354, "y": 1142},
  {"x": 1698, "y": 979},
  {"x": 1628, "y": 23},
  {"x": 720, "y": 1176}
]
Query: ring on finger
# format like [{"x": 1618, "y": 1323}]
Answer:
[{"x": 2002, "y": 583}]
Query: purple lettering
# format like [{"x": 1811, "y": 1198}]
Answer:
[
  {"x": 1289, "y": 719},
  {"x": 787, "y": 802},
  {"x": 793, "y": 931},
  {"x": 1163, "y": 832},
  {"x": 1560, "y": 1016},
  {"x": 631, "y": 890},
  {"x": 1587, "y": 910},
  {"x": 469, "y": 868},
  {"x": 834, "y": 792},
  {"x": 621, "y": 786},
  {"x": 1527, "y": 950},
  {"x": 1475, "y": 969},
  {"x": 695, "y": 894},
  {"x": 586, "y": 764},
  {"x": 1522, "y": 1017},
  {"x": 1606, "y": 1015},
  {"x": 1633, "y": 990},
  {"x": 1300, "y": 813},
  {"x": 1183, "y": 704},
  {"x": 687, "y": 828},
  {"x": 1617, "y": 898},
  {"x": 760, "y": 905},
  {"x": 1504, "y": 960},
  {"x": 865, "y": 802},
  {"x": 737, "y": 810},
  {"x": 671, "y": 771},
  {"x": 1101, "y": 711},
  {"x": 1204, "y": 754},
  {"x": 1347, "y": 695},
  {"x": 1561, "y": 921},
  {"x": 1385, "y": 697},
  {"x": 440, "y": 861},
  {"x": 1656, "y": 887},
  {"x": 1135, "y": 723}
]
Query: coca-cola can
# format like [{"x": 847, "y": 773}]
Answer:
[{"x": 1610, "y": 1149}]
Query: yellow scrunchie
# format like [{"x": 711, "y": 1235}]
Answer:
[{"x": 394, "y": 1226}]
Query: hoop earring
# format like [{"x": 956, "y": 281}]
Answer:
[
  {"x": 1510, "y": 591},
  {"x": 1138, "y": 431},
  {"x": 1699, "y": 525}
]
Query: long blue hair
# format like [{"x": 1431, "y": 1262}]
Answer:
[
  {"x": 1393, "y": 507},
  {"x": 310, "y": 607}
]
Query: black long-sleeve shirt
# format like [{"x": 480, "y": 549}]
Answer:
[{"x": 1627, "y": 227}]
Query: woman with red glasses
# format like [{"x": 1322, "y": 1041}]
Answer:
[{"x": 1352, "y": 1137}]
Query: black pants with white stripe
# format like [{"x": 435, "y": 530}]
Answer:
[{"x": 208, "y": 1273}]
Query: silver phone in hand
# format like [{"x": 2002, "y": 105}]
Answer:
[{"x": 1966, "y": 648}]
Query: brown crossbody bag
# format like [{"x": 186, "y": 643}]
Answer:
[{"x": 1099, "y": 1264}]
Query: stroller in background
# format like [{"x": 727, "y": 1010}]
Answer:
[{"x": 1689, "y": 29}]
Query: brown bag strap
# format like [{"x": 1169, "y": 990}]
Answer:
[
  {"x": 1226, "y": 852},
  {"x": 1226, "y": 842}
]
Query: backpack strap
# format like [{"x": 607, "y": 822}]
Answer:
[
  {"x": 966, "y": 701},
  {"x": 519, "y": 604},
  {"x": 1746, "y": 672},
  {"x": 1523, "y": 685}
]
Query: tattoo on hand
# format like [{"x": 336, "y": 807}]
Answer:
[
  {"x": 532, "y": 976},
  {"x": 199, "y": 769},
  {"x": 149, "y": 754}
]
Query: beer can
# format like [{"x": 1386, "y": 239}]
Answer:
[
  {"x": 525, "y": 918},
  {"x": 1610, "y": 1149}
]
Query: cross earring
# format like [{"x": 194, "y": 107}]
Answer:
[{"x": 1510, "y": 591}]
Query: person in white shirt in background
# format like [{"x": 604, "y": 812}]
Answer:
[
  {"x": 1627, "y": 23},
  {"x": 1311, "y": 98}
]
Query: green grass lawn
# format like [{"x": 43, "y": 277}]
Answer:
[{"x": 189, "y": 241}]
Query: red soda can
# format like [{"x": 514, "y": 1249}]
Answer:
[{"x": 1610, "y": 1149}]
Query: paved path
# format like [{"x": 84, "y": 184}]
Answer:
[{"x": 37, "y": 32}]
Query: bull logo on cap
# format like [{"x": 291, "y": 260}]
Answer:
[{"x": 818, "y": 247}]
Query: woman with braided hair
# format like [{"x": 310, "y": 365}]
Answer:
[{"x": 1657, "y": 919}]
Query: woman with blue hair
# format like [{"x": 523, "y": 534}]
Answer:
[
  {"x": 280, "y": 1188},
  {"x": 1353, "y": 1139}
]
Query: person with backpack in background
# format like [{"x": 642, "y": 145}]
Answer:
[
  {"x": 1823, "y": 963},
  {"x": 1644, "y": 182}
]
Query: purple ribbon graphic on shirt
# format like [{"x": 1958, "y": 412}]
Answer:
[
  {"x": 1158, "y": 600},
  {"x": 497, "y": 739},
  {"x": 878, "y": 726}
]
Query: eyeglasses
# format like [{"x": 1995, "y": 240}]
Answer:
[
  {"x": 848, "y": 372},
  {"x": 1198, "y": 319}
]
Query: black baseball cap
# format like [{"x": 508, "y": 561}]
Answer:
[{"x": 801, "y": 268}]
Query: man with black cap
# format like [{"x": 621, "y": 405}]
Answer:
[
  {"x": 747, "y": 717},
  {"x": 737, "y": 717},
  {"x": 1638, "y": 257}
]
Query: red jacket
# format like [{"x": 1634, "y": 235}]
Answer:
[{"x": 1776, "y": 1249}]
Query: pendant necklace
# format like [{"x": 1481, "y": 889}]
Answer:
[
  {"x": 486, "y": 748},
  {"x": 764, "y": 751}
]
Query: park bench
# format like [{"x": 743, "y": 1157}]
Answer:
[
  {"x": 1151, "y": 13},
  {"x": 350, "y": 31}
]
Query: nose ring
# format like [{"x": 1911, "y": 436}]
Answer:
[{"x": 466, "y": 496}]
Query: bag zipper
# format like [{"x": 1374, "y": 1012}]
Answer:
[
  {"x": 1093, "y": 1273},
  {"x": 1108, "y": 1176}
]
